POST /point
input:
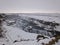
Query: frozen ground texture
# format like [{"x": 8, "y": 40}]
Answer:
[
  {"x": 51, "y": 18},
  {"x": 25, "y": 38},
  {"x": 14, "y": 33}
]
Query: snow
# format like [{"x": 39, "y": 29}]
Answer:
[
  {"x": 46, "y": 41},
  {"x": 25, "y": 38},
  {"x": 46, "y": 18},
  {"x": 4, "y": 41},
  {"x": 14, "y": 33},
  {"x": 58, "y": 43},
  {"x": 27, "y": 43}
]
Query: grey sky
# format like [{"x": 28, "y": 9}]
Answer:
[{"x": 29, "y": 5}]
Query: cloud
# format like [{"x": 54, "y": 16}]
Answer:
[{"x": 30, "y": 6}]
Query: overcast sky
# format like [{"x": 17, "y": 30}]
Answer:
[{"x": 30, "y": 6}]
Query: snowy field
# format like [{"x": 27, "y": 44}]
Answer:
[
  {"x": 14, "y": 35},
  {"x": 49, "y": 18}
]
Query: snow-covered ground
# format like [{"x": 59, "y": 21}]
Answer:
[
  {"x": 58, "y": 43},
  {"x": 46, "y": 18},
  {"x": 23, "y": 38}
]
